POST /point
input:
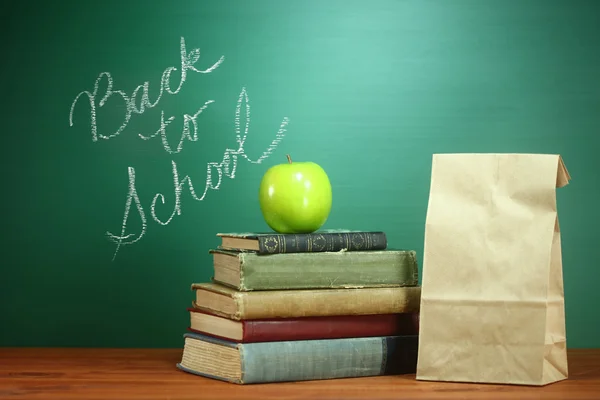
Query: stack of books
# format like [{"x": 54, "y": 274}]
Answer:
[{"x": 332, "y": 304}]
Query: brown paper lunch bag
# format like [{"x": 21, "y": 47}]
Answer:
[{"x": 492, "y": 298}]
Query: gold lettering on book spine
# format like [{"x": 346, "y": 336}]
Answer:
[
  {"x": 272, "y": 243},
  {"x": 319, "y": 243},
  {"x": 358, "y": 241}
]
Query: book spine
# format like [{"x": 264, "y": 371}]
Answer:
[
  {"x": 334, "y": 327},
  {"x": 328, "y": 359},
  {"x": 365, "y": 269},
  {"x": 321, "y": 242},
  {"x": 327, "y": 302}
]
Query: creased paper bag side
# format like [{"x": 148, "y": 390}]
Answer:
[{"x": 489, "y": 238}]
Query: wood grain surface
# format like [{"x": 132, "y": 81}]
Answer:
[{"x": 127, "y": 374}]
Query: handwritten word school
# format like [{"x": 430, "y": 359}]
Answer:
[{"x": 136, "y": 103}]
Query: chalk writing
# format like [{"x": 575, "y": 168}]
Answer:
[
  {"x": 137, "y": 103},
  {"x": 132, "y": 104},
  {"x": 214, "y": 177},
  {"x": 187, "y": 119}
]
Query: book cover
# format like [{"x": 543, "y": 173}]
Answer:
[
  {"x": 230, "y": 303},
  {"x": 354, "y": 269},
  {"x": 320, "y": 241},
  {"x": 247, "y": 363},
  {"x": 303, "y": 328}
]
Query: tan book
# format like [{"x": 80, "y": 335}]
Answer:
[{"x": 230, "y": 303}]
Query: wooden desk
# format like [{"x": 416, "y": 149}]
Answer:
[{"x": 84, "y": 374}]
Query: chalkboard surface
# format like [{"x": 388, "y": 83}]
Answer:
[{"x": 134, "y": 131}]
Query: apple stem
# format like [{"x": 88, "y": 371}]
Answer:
[{"x": 289, "y": 158}]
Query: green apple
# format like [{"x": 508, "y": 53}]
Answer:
[{"x": 295, "y": 197}]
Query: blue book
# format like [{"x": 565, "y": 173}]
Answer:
[{"x": 298, "y": 360}]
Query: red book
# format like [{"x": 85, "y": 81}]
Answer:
[{"x": 304, "y": 328}]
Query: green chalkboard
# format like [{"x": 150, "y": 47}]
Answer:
[{"x": 109, "y": 107}]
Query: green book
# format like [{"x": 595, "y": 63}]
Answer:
[{"x": 247, "y": 271}]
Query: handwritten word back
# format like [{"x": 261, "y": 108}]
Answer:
[{"x": 137, "y": 103}]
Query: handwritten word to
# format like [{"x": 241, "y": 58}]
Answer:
[{"x": 215, "y": 171}]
